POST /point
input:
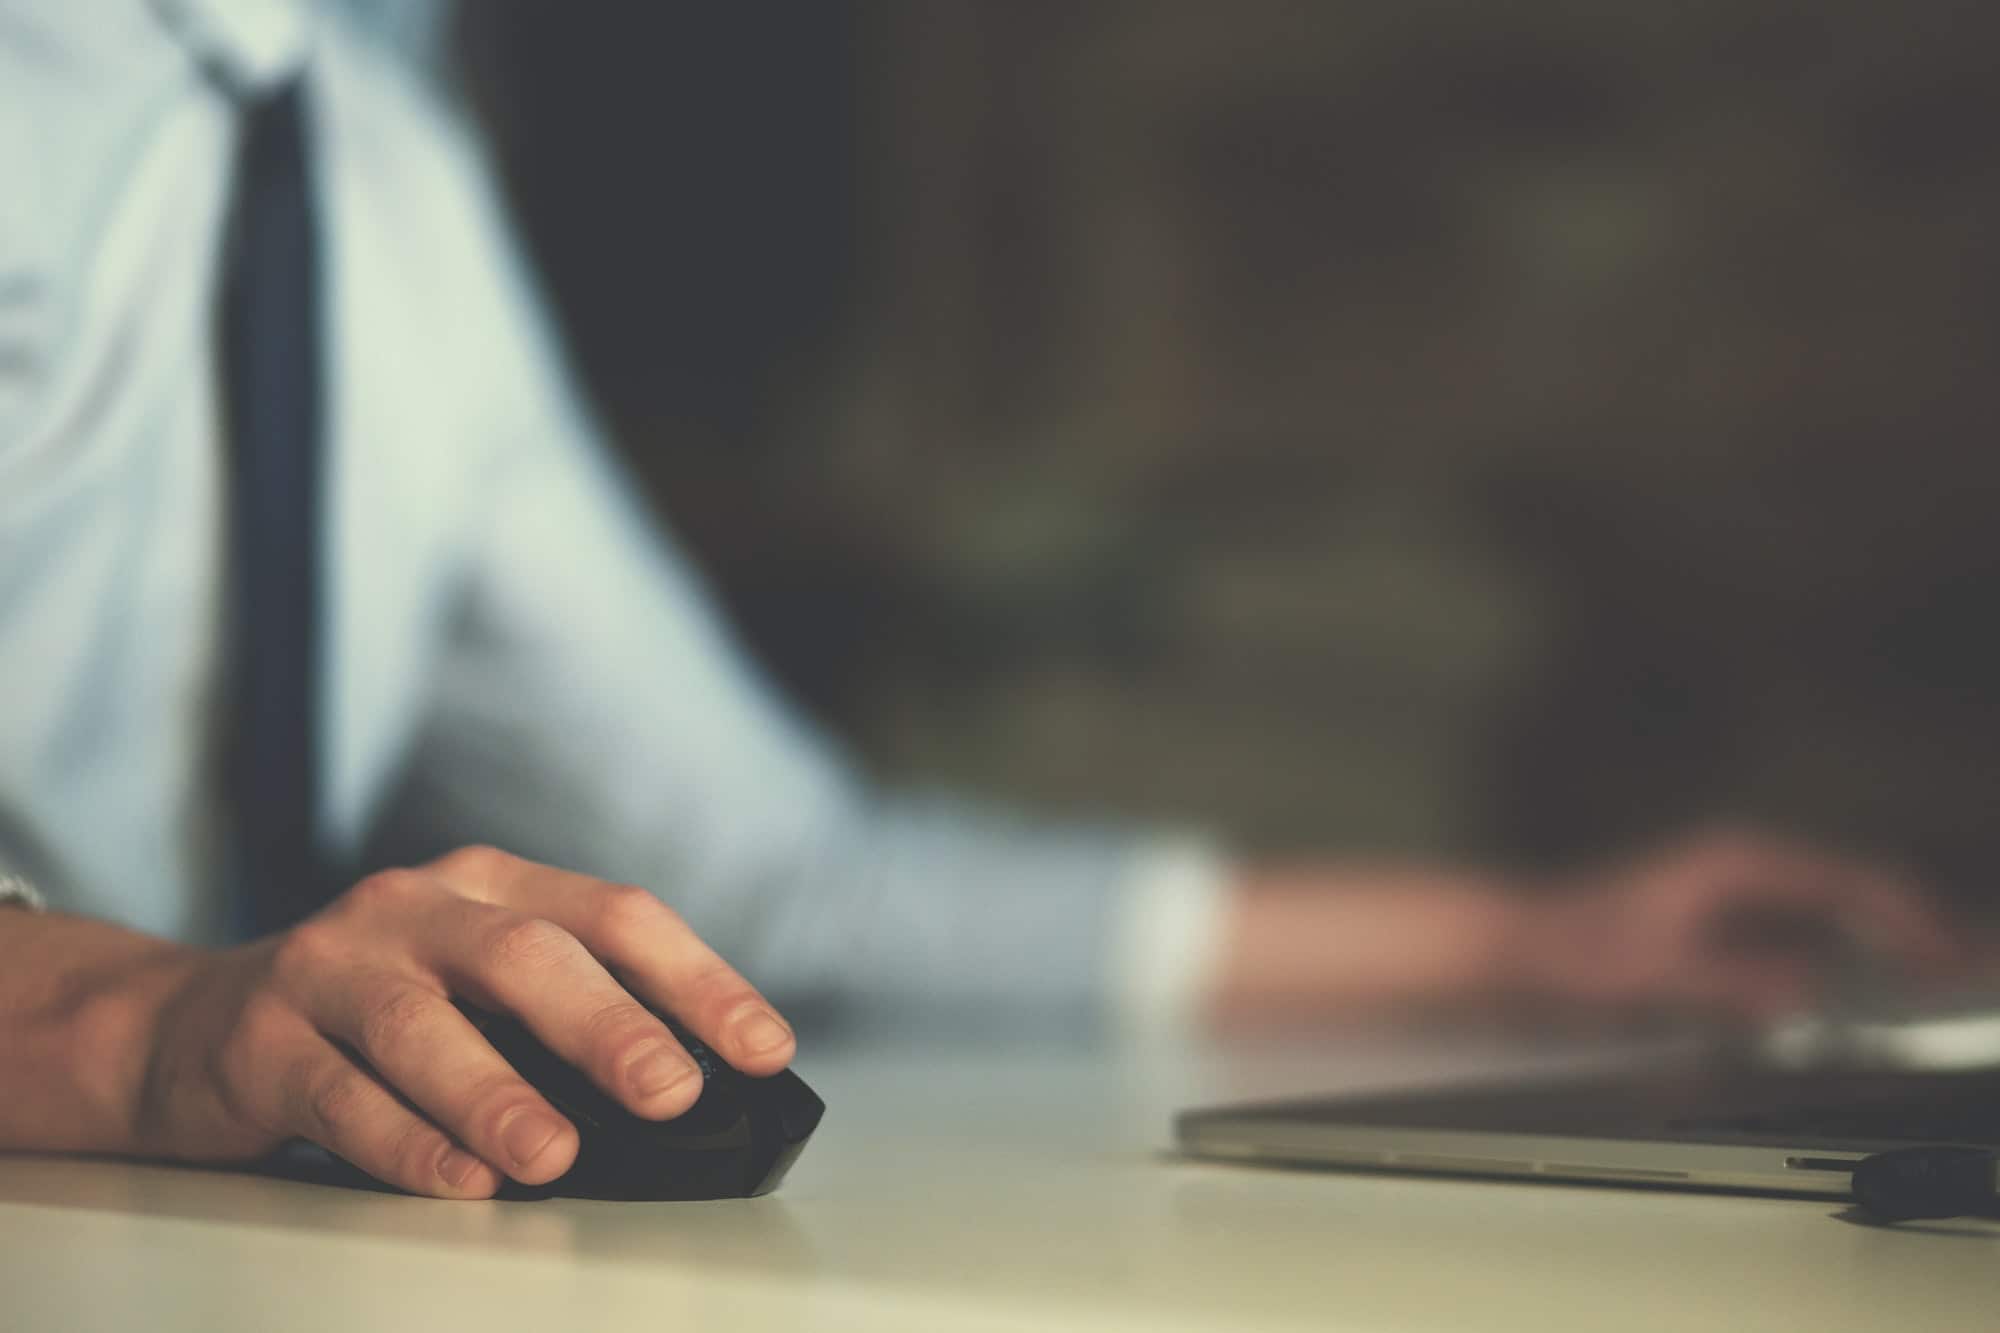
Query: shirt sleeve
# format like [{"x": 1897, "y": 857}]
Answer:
[
  {"x": 1166, "y": 944},
  {"x": 17, "y": 892},
  {"x": 590, "y": 709}
]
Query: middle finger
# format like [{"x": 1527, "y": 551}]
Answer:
[
  {"x": 417, "y": 1042},
  {"x": 534, "y": 969}
]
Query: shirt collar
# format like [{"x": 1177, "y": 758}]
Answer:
[{"x": 247, "y": 46}]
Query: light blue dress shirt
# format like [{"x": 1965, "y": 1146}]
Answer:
[{"x": 515, "y": 653}]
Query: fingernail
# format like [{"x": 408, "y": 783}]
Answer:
[
  {"x": 655, "y": 1073},
  {"x": 457, "y": 1166},
  {"x": 527, "y": 1134},
  {"x": 762, "y": 1032}
]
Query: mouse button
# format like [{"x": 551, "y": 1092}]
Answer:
[
  {"x": 801, "y": 1117},
  {"x": 711, "y": 1065},
  {"x": 654, "y": 1172},
  {"x": 734, "y": 1132},
  {"x": 566, "y": 1087},
  {"x": 704, "y": 1057},
  {"x": 785, "y": 1097},
  {"x": 719, "y": 1107}
]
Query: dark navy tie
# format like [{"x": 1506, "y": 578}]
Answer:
[{"x": 269, "y": 314}]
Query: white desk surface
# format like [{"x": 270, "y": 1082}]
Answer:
[{"x": 1004, "y": 1191}]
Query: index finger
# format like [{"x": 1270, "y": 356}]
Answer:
[{"x": 655, "y": 952}]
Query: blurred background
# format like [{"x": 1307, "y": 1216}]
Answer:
[{"x": 1495, "y": 431}]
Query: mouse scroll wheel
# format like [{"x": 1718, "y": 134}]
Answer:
[{"x": 704, "y": 1060}]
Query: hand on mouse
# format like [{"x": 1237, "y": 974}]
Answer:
[{"x": 342, "y": 1030}]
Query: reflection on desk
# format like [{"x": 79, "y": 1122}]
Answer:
[{"x": 999, "y": 1190}]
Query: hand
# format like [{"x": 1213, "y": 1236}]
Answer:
[
  {"x": 342, "y": 1030},
  {"x": 1727, "y": 924},
  {"x": 1730, "y": 924}
]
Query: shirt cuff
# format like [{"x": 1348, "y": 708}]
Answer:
[
  {"x": 1166, "y": 938},
  {"x": 17, "y": 892}
]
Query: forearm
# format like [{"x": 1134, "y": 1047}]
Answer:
[
  {"x": 77, "y": 999},
  {"x": 963, "y": 912},
  {"x": 1354, "y": 941}
]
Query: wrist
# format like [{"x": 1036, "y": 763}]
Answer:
[
  {"x": 120, "y": 1023},
  {"x": 79, "y": 1012}
]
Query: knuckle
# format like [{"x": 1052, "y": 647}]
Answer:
[
  {"x": 627, "y": 908},
  {"x": 389, "y": 888},
  {"x": 336, "y": 1099},
  {"x": 475, "y": 861},
  {"x": 492, "y": 1103},
  {"x": 619, "y": 1034},
  {"x": 307, "y": 948},
  {"x": 716, "y": 983},
  {"x": 529, "y": 943},
  {"x": 391, "y": 1021},
  {"x": 617, "y": 1019},
  {"x": 415, "y": 1153},
  {"x": 721, "y": 997},
  {"x": 732, "y": 1005}
]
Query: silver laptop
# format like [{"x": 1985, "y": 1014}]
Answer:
[{"x": 1796, "y": 1120}]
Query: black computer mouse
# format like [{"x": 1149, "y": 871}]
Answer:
[{"x": 737, "y": 1140}]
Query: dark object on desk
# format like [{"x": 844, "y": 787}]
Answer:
[
  {"x": 1927, "y": 1182},
  {"x": 1696, "y": 1126},
  {"x": 737, "y": 1140}
]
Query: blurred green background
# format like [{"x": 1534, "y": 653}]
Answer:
[{"x": 1506, "y": 431}]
